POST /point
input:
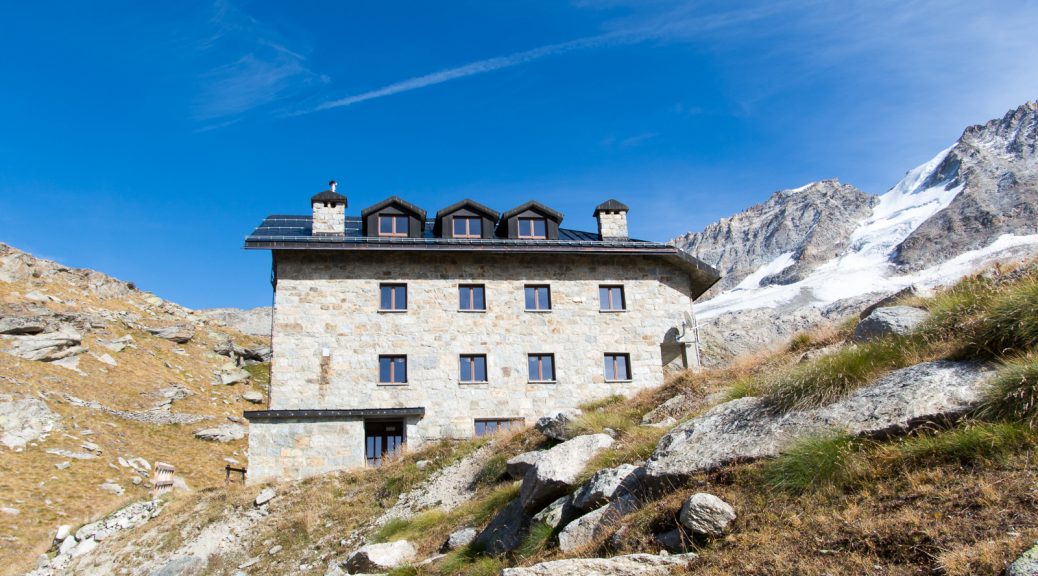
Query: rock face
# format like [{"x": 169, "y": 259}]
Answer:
[
  {"x": 518, "y": 466},
  {"x": 224, "y": 433},
  {"x": 706, "y": 514},
  {"x": 47, "y": 347},
  {"x": 375, "y": 558},
  {"x": 595, "y": 525},
  {"x": 554, "y": 425},
  {"x": 17, "y": 326},
  {"x": 178, "y": 334},
  {"x": 746, "y": 428},
  {"x": 556, "y": 471},
  {"x": 255, "y": 321},
  {"x": 24, "y": 419},
  {"x": 996, "y": 166},
  {"x": 889, "y": 321},
  {"x": 607, "y": 483},
  {"x": 811, "y": 224},
  {"x": 459, "y": 538},
  {"x": 631, "y": 565},
  {"x": 505, "y": 531},
  {"x": 558, "y": 513}
]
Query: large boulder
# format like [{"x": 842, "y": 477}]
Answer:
[
  {"x": 889, "y": 321},
  {"x": 556, "y": 425},
  {"x": 24, "y": 419},
  {"x": 606, "y": 484},
  {"x": 178, "y": 334},
  {"x": 459, "y": 539},
  {"x": 749, "y": 428},
  {"x": 17, "y": 326},
  {"x": 557, "y": 514},
  {"x": 706, "y": 515},
  {"x": 505, "y": 531},
  {"x": 47, "y": 347},
  {"x": 556, "y": 472},
  {"x": 224, "y": 433},
  {"x": 595, "y": 525},
  {"x": 1026, "y": 564},
  {"x": 631, "y": 565},
  {"x": 669, "y": 411},
  {"x": 518, "y": 466},
  {"x": 375, "y": 558}
]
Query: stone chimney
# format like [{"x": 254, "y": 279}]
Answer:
[
  {"x": 329, "y": 211},
  {"x": 612, "y": 220}
]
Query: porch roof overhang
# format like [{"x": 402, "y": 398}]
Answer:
[{"x": 333, "y": 414}]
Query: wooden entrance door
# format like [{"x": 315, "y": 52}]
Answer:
[{"x": 382, "y": 439}]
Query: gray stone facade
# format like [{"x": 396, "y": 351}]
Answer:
[
  {"x": 329, "y": 333},
  {"x": 329, "y": 217},
  {"x": 612, "y": 224}
]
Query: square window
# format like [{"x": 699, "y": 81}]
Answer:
[
  {"x": 392, "y": 225},
  {"x": 392, "y": 369},
  {"x": 486, "y": 426},
  {"x": 468, "y": 227},
  {"x": 542, "y": 367},
  {"x": 533, "y": 228},
  {"x": 472, "y": 297},
  {"x": 473, "y": 368},
  {"x": 538, "y": 297},
  {"x": 392, "y": 297},
  {"x": 612, "y": 298},
  {"x": 617, "y": 367}
]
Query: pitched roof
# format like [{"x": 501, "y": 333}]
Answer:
[
  {"x": 533, "y": 205},
  {"x": 327, "y": 196},
  {"x": 472, "y": 205},
  {"x": 394, "y": 200},
  {"x": 611, "y": 206}
]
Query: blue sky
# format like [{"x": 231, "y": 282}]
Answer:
[{"x": 146, "y": 139}]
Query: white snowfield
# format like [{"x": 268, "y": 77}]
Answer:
[{"x": 865, "y": 267}]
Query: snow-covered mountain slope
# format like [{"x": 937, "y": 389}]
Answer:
[{"x": 970, "y": 205}]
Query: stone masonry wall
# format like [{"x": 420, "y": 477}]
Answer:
[
  {"x": 612, "y": 224},
  {"x": 329, "y": 219},
  {"x": 330, "y": 301}
]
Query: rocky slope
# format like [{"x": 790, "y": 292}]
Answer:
[
  {"x": 799, "y": 259},
  {"x": 98, "y": 382}
]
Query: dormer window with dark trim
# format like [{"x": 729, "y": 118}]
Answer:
[
  {"x": 533, "y": 229},
  {"x": 468, "y": 227},
  {"x": 393, "y": 225}
]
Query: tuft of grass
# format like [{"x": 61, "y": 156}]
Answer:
[
  {"x": 831, "y": 377},
  {"x": 799, "y": 342},
  {"x": 812, "y": 463},
  {"x": 483, "y": 509},
  {"x": 391, "y": 528},
  {"x": 744, "y": 387},
  {"x": 969, "y": 444},
  {"x": 399, "y": 477},
  {"x": 536, "y": 540},
  {"x": 619, "y": 417},
  {"x": 260, "y": 374},
  {"x": 1009, "y": 323},
  {"x": 602, "y": 403},
  {"x": 1013, "y": 396},
  {"x": 403, "y": 571},
  {"x": 493, "y": 470}
]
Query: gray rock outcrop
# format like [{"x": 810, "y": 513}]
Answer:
[
  {"x": 255, "y": 321},
  {"x": 178, "y": 334},
  {"x": 889, "y": 321},
  {"x": 706, "y": 515},
  {"x": 556, "y": 472},
  {"x": 1026, "y": 564},
  {"x": 518, "y": 466},
  {"x": 595, "y": 525},
  {"x": 224, "y": 433},
  {"x": 24, "y": 419},
  {"x": 747, "y": 428},
  {"x": 555, "y": 425},
  {"x": 558, "y": 513},
  {"x": 505, "y": 531},
  {"x": 459, "y": 539},
  {"x": 375, "y": 558},
  {"x": 630, "y": 565},
  {"x": 47, "y": 347},
  {"x": 17, "y": 326},
  {"x": 606, "y": 484}
]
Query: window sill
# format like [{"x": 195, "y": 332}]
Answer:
[
  {"x": 618, "y": 381},
  {"x": 482, "y": 383},
  {"x": 613, "y": 311},
  {"x": 483, "y": 311},
  {"x": 538, "y": 311},
  {"x": 390, "y": 311},
  {"x": 542, "y": 381},
  {"x": 393, "y": 384}
]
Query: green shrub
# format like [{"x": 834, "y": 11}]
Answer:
[
  {"x": 492, "y": 471},
  {"x": 831, "y": 377},
  {"x": 1013, "y": 396},
  {"x": 536, "y": 540},
  {"x": 968, "y": 444},
  {"x": 811, "y": 463}
]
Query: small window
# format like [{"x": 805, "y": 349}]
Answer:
[
  {"x": 392, "y": 225},
  {"x": 617, "y": 367},
  {"x": 485, "y": 426},
  {"x": 392, "y": 369},
  {"x": 538, "y": 298},
  {"x": 393, "y": 297},
  {"x": 542, "y": 367},
  {"x": 473, "y": 368},
  {"x": 472, "y": 297},
  {"x": 612, "y": 298},
  {"x": 533, "y": 228},
  {"x": 468, "y": 227}
]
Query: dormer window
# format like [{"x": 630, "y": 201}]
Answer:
[
  {"x": 468, "y": 227},
  {"x": 392, "y": 225},
  {"x": 533, "y": 228}
]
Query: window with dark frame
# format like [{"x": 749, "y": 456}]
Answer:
[
  {"x": 392, "y": 369},
  {"x": 612, "y": 298},
  {"x": 472, "y": 297},
  {"x": 542, "y": 367},
  {"x": 468, "y": 227},
  {"x": 473, "y": 368},
  {"x": 392, "y": 297},
  {"x": 538, "y": 297},
  {"x": 485, "y": 426},
  {"x": 533, "y": 228},
  {"x": 617, "y": 367},
  {"x": 392, "y": 225}
]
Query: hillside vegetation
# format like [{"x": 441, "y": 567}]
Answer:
[{"x": 955, "y": 497}]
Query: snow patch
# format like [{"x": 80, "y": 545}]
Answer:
[{"x": 783, "y": 261}]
